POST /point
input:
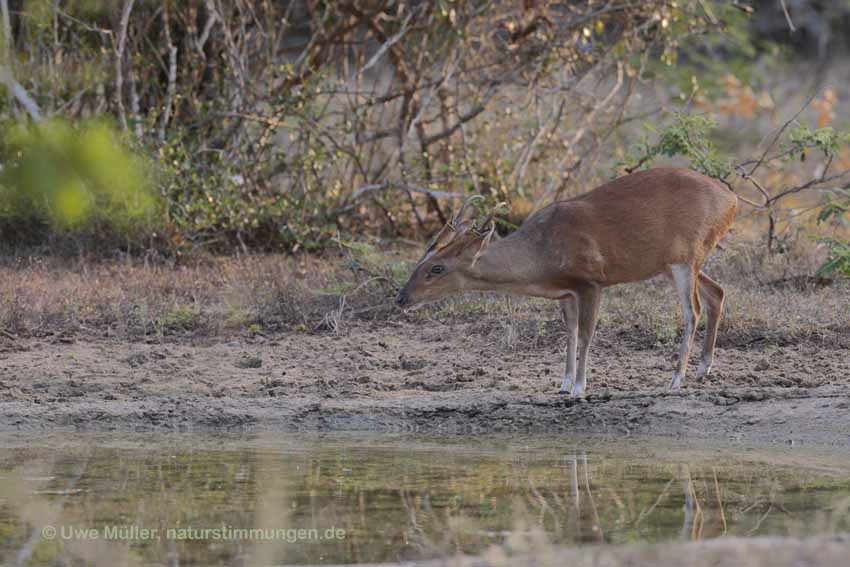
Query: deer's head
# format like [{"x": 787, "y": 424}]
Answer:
[{"x": 446, "y": 266}]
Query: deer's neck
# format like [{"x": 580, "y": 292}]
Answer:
[{"x": 506, "y": 265}]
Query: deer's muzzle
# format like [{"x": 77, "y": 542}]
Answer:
[{"x": 402, "y": 298}]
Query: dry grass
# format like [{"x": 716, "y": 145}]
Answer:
[
  {"x": 272, "y": 293},
  {"x": 216, "y": 296}
]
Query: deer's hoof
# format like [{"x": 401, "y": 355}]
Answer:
[{"x": 577, "y": 391}]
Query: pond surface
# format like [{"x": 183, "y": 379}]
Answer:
[{"x": 188, "y": 499}]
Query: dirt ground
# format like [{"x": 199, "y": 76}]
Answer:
[
  {"x": 727, "y": 551},
  {"x": 435, "y": 377}
]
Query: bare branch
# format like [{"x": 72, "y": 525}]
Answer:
[
  {"x": 811, "y": 183},
  {"x": 119, "y": 47},
  {"x": 366, "y": 189},
  {"x": 787, "y": 16},
  {"x": 172, "y": 73},
  {"x": 779, "y": 133},
  {"x": 387, "y": 45},
  {"x": 6, "y": 32},
  {"x": 528, "y": 152},
  {"x": 461, "y": 119},
  {"x": 20, "y": 94},
  {"x": 205, "y": 34}
]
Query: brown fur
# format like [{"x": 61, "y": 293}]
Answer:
[
  {"x": 632, "y": 228},
  {"x": 629, "y": 229}
]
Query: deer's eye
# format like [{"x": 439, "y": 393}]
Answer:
[{"x": 437, "y": 270}]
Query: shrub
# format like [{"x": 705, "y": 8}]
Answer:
[{"x": 76, "y": 179}]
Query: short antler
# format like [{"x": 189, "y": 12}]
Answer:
[
  {"x": 486, "y": 232},
  {"x": 460, "y": 213},
  {"x": 483, "y": 227}
]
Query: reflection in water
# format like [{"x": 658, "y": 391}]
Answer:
[{"x": 146, "y": 499}]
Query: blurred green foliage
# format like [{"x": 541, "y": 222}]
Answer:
[{"x": 59, "y": 176}]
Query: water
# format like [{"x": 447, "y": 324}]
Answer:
[{"x": 145, "y": 499}]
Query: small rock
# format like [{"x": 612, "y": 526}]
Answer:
[
  {"x": 249, "y": 362},
  {"x": 763, "y": 365}
]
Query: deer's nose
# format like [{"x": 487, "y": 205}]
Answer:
[{"x": 401, "y": 299}]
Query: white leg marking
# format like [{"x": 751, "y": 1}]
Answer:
[{"x": 578, "y": 389}]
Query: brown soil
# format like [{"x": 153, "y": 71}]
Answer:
[
  {"x": 727, "y": 551},
  {"x": 435, "y": 377}
]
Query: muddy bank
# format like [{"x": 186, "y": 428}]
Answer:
[
  {"x": 438, "y": 379},
  {"x": 815, "y": 416},
  {"x": 730, "y": 552}
]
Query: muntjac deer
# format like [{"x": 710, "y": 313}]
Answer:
[{"x": 658, "y": 221}]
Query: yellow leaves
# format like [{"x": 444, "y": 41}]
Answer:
[
  {"x": 741, "y": 100},
  {"x": 825, "y": 105}
]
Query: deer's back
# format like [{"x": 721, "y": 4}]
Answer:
[{"x": 633, "y": 227}]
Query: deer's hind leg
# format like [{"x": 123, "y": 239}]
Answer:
[
  {"x": 569, "y": 307},
  {"x": 588, "y": 313},
  {"x": 711, "y": 293},
  {"x": 685, "y": 280}
]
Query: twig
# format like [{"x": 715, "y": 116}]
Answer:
[
  {"x": 205, "y": 34},
  {"x": 748, "y": 177},
  {"x": 391, "y": 185},
  {"x": 119, "y": 61},
  {"x": 519, "y": 171},
  {"x": 86, "y": 26},
  {"x": 6, "y": 31},
  {"x": 134, "y": 104},
  {"x": 461, "y": 119},
  {"x": 172, "y": 73},
  {"x": 810, "y": 183},
  {"x": 787, "y": 16},
  {"x": 761, "y": 160},
  {"x": 387, "y": 45},
  {"x": 20, "y": 94}
]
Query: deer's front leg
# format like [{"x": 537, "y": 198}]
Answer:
[
  {"x": 684, "y": 278},
  {"x": 569, "y": 306},
  {"x": 588, "y": 308}
]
